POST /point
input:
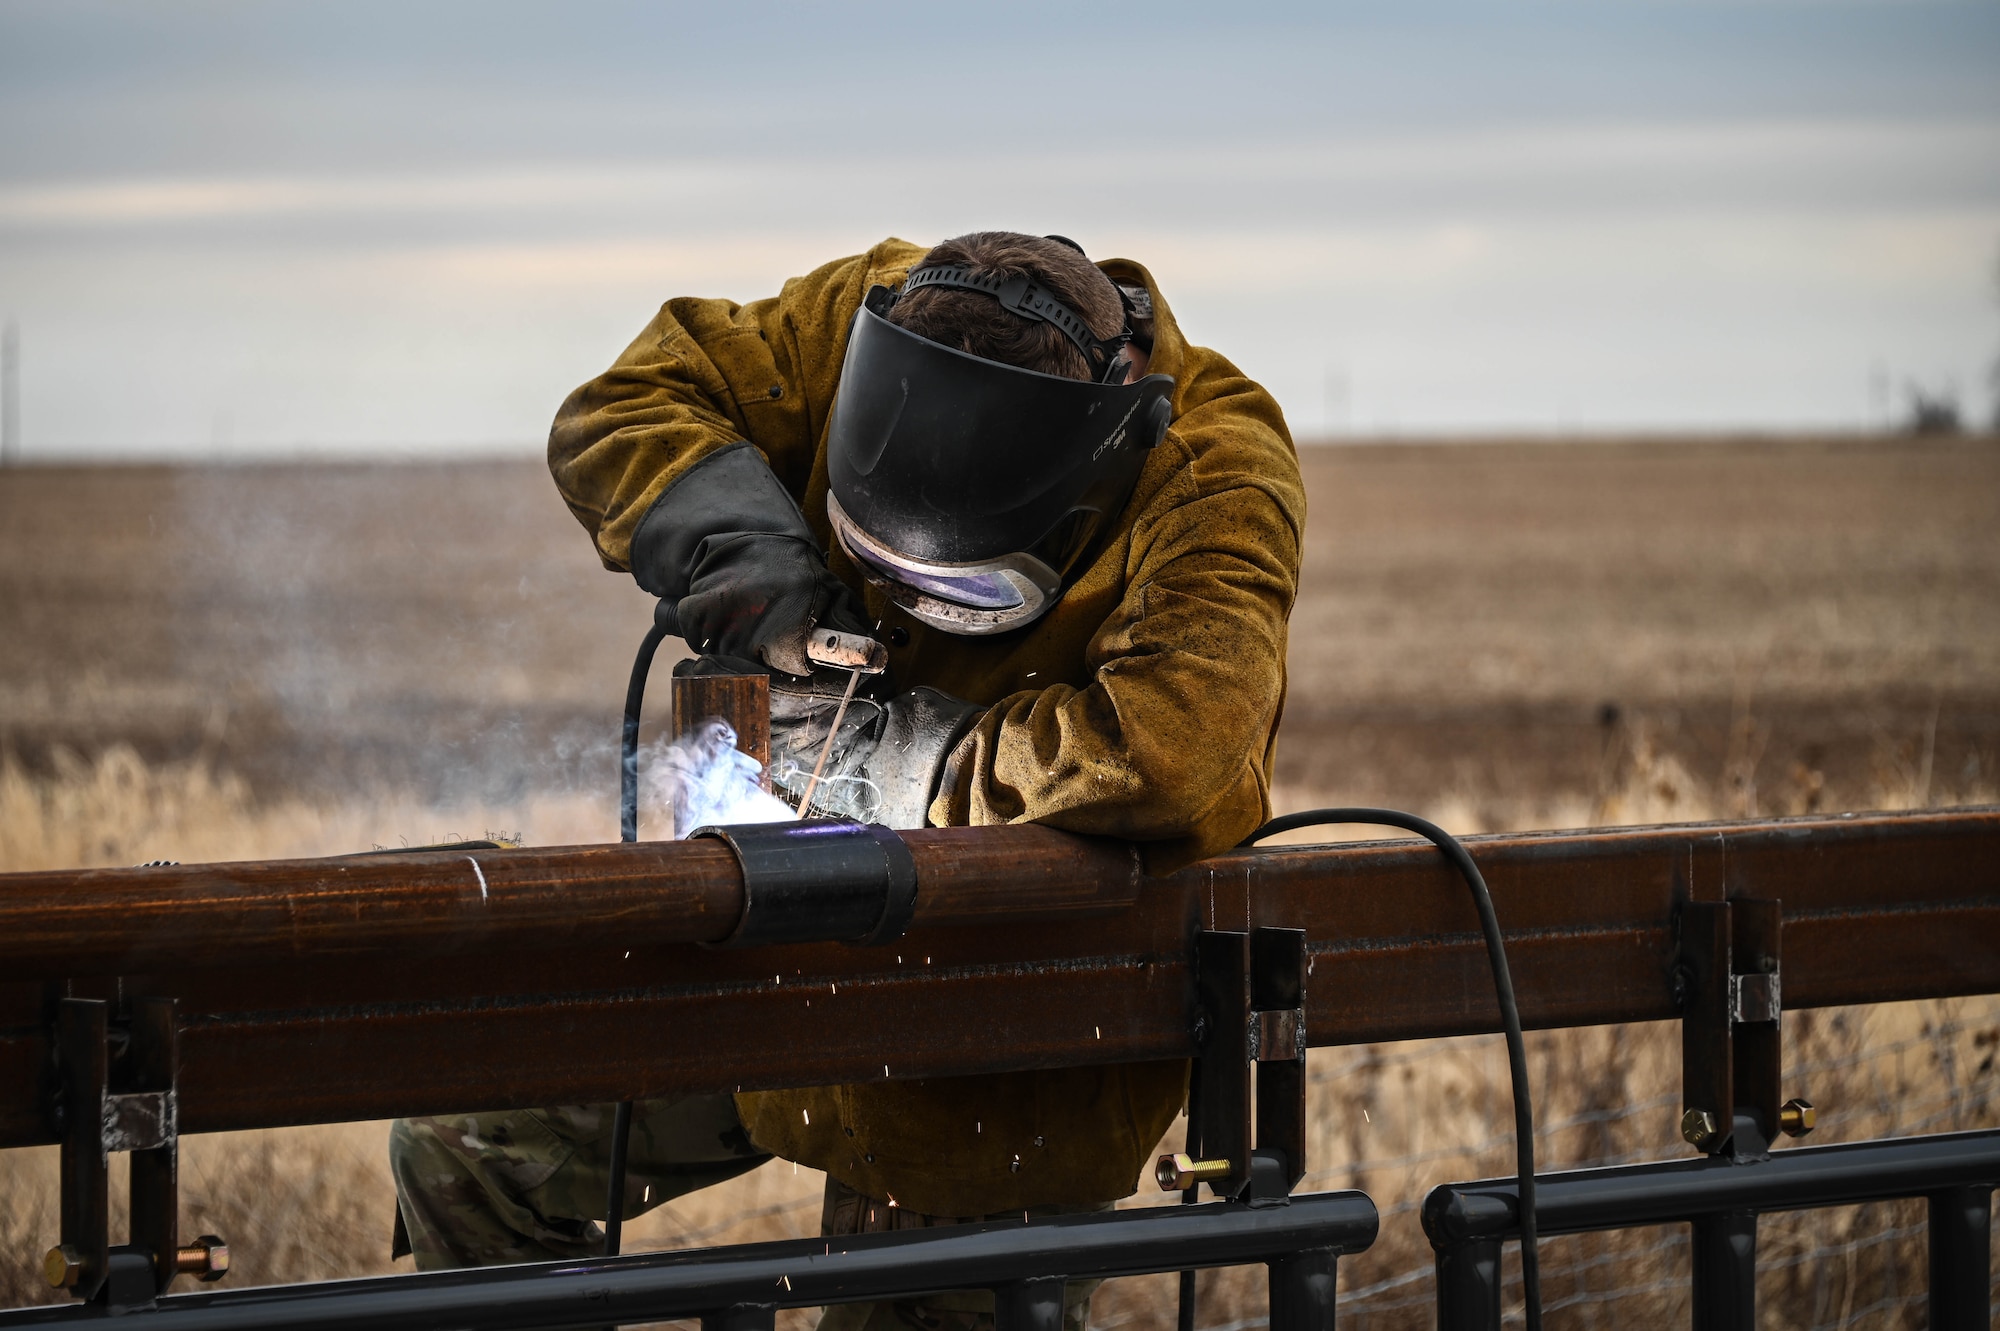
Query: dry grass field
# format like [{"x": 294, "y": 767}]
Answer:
[{"x": 203, "y": 663}]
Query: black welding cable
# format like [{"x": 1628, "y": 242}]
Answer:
[
  {"x": 1503, "y": 987},
  {"x": 628, "y": 830},
  {"x": 614, "y": 1198},
  {"x": 628, "y": 755}
]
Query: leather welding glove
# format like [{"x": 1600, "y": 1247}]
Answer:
[
  {"x": 727, "y": 550},
  {"x": 887, "y": 755}
]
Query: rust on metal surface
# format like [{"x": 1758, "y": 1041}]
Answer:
[
  {"x": 114, "y": 921},
  {"x": 68, "y": 923},
  {"x": 579, "y": 978}
]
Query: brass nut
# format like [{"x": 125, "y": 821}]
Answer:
[
  {"x": 1797, "y": 1117},
  {"x": 62, "y": 1267},
  {"x": 1700, "y": 1129},
  {"x": 207, "y": 1258},
  {"x": 1176, "y": 1172}
]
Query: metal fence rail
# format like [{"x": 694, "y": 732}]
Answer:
[
  {"x": 318, "y": 991},
  {"x": 741, "y": 1288},
  {"x": 1721, "y": 1199},
  {"x": 142, "y": 1004}
]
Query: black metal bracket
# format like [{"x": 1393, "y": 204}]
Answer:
[
  {"x": 1250, "y": 1012},
  {"x": 128, "y": 1103},
  {"x": 1730, "y": 983}
]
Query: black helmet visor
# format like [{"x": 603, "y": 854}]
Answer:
[{"x": 966, "y": 487}]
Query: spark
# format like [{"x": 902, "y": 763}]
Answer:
[
  {"x": 1365, "y": 1118},
  {"x": 809, "y": 1117},
  {"x": 1098, "y": 1031},
  {"x": 482, "y": 876}
]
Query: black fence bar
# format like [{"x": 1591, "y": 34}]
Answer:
[
  {"x": 741, "y": 1287},
  {"x": 1723, "y": 1283},
  {"x": 1961, "y": 1247},
  {"x": 1721, "y": 1198},
  {"x": 1468, "y": 1282}
]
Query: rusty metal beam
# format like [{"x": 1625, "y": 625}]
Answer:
[
  {"x": 65, "y": 923},
  {"x": 327, "y": 990}
]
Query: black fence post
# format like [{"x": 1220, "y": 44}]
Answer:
[
  {"x": 83, "y": 1066},
  {"x": 1468, "y": 1286},
  {"x": 1302, "y": 1290},
  {"x": 1961, "y": 1245},
  {"x": 1029, "y": 1305},
  {"x": 1725, "y": 1272}
]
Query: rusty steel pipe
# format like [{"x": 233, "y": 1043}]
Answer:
[
  {"x": 1876, "y": 908},
  {"x": 67, "y": 923}
]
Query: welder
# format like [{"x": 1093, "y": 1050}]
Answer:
[{"x": 1078, "y": 537}]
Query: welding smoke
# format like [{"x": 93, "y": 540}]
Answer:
[{"x": 704, "y": 780}]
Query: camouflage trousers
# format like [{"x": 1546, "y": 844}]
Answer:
[{"x": 529, "y": 1185}]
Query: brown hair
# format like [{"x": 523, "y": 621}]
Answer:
[{"x": 974, "y": 322}]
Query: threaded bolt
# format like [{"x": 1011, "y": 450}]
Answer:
[
  {"x": 206, "y": 1259},
  {"x": 1176, "y": 1172}
]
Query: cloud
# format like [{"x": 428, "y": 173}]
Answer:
[{"x": 1469, "y": 215}]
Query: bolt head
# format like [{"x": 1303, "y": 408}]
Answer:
[
  {"x": 62, "y": 1267},
  {"x": 1700, "y": 1129},
  {"x": 1797, "y": 1117}
]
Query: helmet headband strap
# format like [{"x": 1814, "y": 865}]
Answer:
[{"x": 1029, "y": 299}]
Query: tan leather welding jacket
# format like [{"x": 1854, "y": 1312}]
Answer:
[{"x": 1143, "y": 706}]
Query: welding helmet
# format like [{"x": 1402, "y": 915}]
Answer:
[{"x": 966, "y": 488}]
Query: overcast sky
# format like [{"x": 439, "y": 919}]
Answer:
[{"x": 275, "y": 228}]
